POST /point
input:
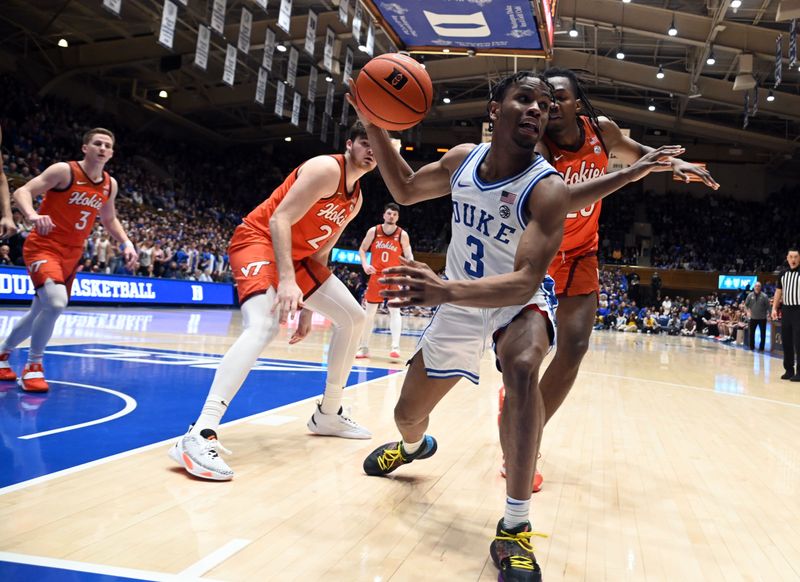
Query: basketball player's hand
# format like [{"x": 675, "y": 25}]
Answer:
[
  {"x": 416, "y": 284},
  {"x": 659, "y": 160},
  {"x": 130, "y": 256},
  {"x": 288, "y": 300},
  {"x": 42, "y": 223},
  {"x": 682, "y": 169},
  {"x": 351, "y": 99},
  {"x": 774, "y": 314},
  {"x": 303, "y": 326},
  {"x": 7, "y": 227},
  {"x": 369, "y": 270}
]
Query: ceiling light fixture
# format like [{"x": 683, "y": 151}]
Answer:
[
  {"x": 329, "y": 79},
  {"x": 287, "y": 138},
  {"x": 620, "y": 54},
  {"x": 281, "y": 48},
  {"x": 651, "y": 106},
  {"x": 672, "y": 31},
  {"x": 771, "y": 96},
  {"x": 573, "y": 32},
  {"x": 711, "y": 60},
  {"x": 63, "y": 43},
  {"x": 736, "y": 4},
  {"x": 660, "y": 73},
  {"x": 362, "y": 48},
  {"x": 163, "y": 94}
]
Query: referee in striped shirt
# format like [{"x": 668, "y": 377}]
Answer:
[{"x": 787, "y": 299}]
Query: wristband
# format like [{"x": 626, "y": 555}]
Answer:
[{"x": 124, "y": 245}]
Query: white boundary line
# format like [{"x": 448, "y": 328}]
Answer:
[
  {"x": 709, "y": 391},
  {"x": 215, "y": 558},
  {"x": 103, "y": 461},
  {"x": 130, "y": 406},
  {"x": 94, "y": 568}
]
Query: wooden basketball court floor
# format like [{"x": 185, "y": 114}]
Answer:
[{"x": 672, "y": 459}]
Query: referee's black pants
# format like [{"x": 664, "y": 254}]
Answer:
[
  {"x": 762, "y": 325},
  {"x": 790, "y": 333}
]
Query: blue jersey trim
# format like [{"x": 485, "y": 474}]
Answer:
[
  {"x": 482, "y": 186},
  {"x": 524, "y": 198},
  {"x": 454, "y": 373},
  {"x": 460, "y": 169}
]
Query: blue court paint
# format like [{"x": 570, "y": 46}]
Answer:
[
  {"x": 167, "y": 387},
  {"x": 12, "y": 571}
]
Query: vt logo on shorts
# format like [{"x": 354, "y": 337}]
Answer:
[
  {"x": 256, "y": 266},
  {"x": 35, "y": 265}
]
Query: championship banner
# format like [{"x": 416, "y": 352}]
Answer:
[
  {"x": 311, "y": 32},
  {"x": 313, "y": 75},
  {"x": 357, "y": 16},
  {"x": 344, "y": 9},
  {"x": 327, "y": 54},
  {"x": 115, "y": 6},
  {"x": 280, "y": 98},
  {"x": 347, "y": 73},
  {"x": 285, "y": 16},
  {"x": 793, "y": 44},
  {"x": 269, "y": 49},
  {"x": 229, "y": 71},
  {"x": 297, "y": 102},
  {"x": 262, "y": 4},
  {"x": 218, "y": 16},
  {"x": 501, "y": 27},
  {"x": 371, "y": 38},
  {"x": 201, "y": 52},
  {"x": 312, "y": 109},
  {"x": 323, "y": 134},
  {"x": 16, "y": 285},
  {"x": 245, "y": 28},
  {"x": 169, "y": 17},
  {"x": 261, "y": 86},
  {"x": 337, "y": 135},
  {"x": 329, "y": 100},
  {"x": 778, "y": 60},
  {"x": 291, "y": 69},
  {"x": 345, "y": 112}
]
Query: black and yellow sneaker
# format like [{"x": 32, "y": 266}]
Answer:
[
  {"x": 387, "y": 457},
  {"x": 512, "y": 553}
]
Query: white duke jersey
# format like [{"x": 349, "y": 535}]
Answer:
[{"x": 488, "y": 219}]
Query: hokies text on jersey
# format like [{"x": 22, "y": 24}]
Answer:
[
  {"x": 83, "y": 199},
  {"x": 385, "y": 244},
  {"x": 335, "y": 213},
  {"x": 583, "y": 174}
]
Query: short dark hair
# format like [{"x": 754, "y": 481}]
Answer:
[
  {"x": 793, "y": 249},
  {"x": 87, "y": 137},
  {"x": 391, "y": 206},
  {"x": 579, "y": 93},
  {"x": 357, "y": 130},
  {"x": 499, "y": 90}
]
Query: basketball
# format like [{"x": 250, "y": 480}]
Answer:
[{"x": 394, "y": 91}]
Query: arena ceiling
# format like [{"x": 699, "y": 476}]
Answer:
[{"x": 119, "y": 61}]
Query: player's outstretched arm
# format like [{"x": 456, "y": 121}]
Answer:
[
  {"x": 587, "y": 193},
  {"x": 406, "y": 185},
  {"x": 629, "y": 150},
  {"x": 108, "y": 217},
  {"x": 56, "y": 176},
  {"x": 419, "y": 285}
]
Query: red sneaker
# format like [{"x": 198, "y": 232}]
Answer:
[
  {"x": 33, "y": 379},
  {"x": 536, "y": 486},
  {"x": 7, "y": 374}
]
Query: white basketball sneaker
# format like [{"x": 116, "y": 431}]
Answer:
[
  {"x": 337, "y": 425},
  {"x": 198, "y": 454},
  {"x": 362, "y": 354}
]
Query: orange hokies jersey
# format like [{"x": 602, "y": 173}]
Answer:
[
  {"x": 588, "y": 161},
  {"x": 73, "y": 209},
  {"x": 386, "y": 249},
  {"x": 325, "y": 219}
]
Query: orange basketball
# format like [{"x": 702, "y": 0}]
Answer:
[{"x": 394, "y": 91}]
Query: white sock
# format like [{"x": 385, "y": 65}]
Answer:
[
  {"x": 331, "y": 399},
  {"x": 395, "y": 326},
  {"x": 211, "y": 415},
  {"x": 35, "y": 358},
  {"x": 517, "y": 512},
  {"x": 411, "y": 448}
]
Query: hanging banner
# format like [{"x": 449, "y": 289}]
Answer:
[
  {"x": 229, "y": 71},
  {"x": 327, "y": 54},
  {"x": 169, "y": 18},
  {"x": 279, "y": 99},
  {"x": 261, "y": 86},
  {"x": 218, "y": 16},
  {"x": 311, "y": 32},
  {"x": 371, "y": 38},
  {"x": 291, "y": 69},
  {"x": 347, "y": 73},
  {"x": 323, "y": 134},
  {"x": 337, "y": 135},
  {"x": 313, "y": 74},
  {"x": 345, "y": 112},
  {"x": 344, "y": 9},
  {"x": 329, "y": 100},
  {"x": 778, "y": 60},
  {"x": 285, "y": 16},
  {"x": 269, "y": 49},
  {"x": 113, "y": 6},
  {"x": 245, "y": 28},
  {"x": 201, "y": 52},
  {"x": 310, "y": 121},
  {"x": 183, "y": 2},
  {"x": 793, "y": 44},
  {"x": 296, "y": 102},
  {"x": 357, "y": 15},
  {"x": 262, "y": 4}
]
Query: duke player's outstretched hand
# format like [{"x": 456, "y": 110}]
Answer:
[
  {"x": 303, "y": 326},
  {"x": 42, "y": 223},
  {"x": 417, "y": 285},
  {"x": 288, "y": 300}
]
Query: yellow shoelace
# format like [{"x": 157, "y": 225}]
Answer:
[
  {"x": 390, "y": 457},
  {"x": 523, "y": 539}
]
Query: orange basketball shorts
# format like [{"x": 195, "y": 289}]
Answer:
[
  {"x": 575, "y": 275},
  {"x": 252, "y": 260},
  {"x": 48, "y": 261},
  {"x": 373, "y": 292}
]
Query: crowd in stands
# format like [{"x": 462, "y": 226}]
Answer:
[{"x": 627, "y": 306}]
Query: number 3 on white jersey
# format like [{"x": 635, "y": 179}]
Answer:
[
  {"x": 316, "y": 241},
  {"x": 84, "y": 221}
]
